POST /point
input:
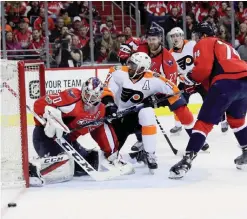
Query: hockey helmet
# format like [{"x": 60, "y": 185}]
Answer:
[
  {"x": 154, "y": 31},
  {"x": 92, "y": 90},
  {"x": 204, "y": 28},
  {"x": 138, "y": 63},
  {"x": 176, "y": 36}
]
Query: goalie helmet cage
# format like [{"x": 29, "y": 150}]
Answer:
[{"x": 14, "y": 91}]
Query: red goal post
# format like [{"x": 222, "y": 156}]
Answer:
[{"x": 15, "y": 139}]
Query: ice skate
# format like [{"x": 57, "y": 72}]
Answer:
[
  {"x": 205, "y": 147},
  {"x": 138, "y": 146},
  {"x": 179, "y": 170},
  {"x": 176, "y": 130},
  {"x": 151, "y": 162},
  {"x": 241, "y": 161}
]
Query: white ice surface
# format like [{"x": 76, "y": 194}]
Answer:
[{"x": 213, "y": 189}]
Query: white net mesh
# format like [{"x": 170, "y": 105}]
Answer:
[{"x": 11, "y": 145}]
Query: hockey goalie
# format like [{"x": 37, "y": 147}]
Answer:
[{"x": 72, "y": 108}]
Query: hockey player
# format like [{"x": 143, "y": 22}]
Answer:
[
  {"x": 162, "y": 61},
  {"x": 73, "y": 107},
  {"x": 220, "y": 70},
  {"x": 182, "y": 52},
  {"x": 139, "y": 84}
]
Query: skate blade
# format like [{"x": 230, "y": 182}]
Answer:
[
  {"x": 173, "y": 175},
  {"x": 152, "y": 171},
  {"x": 242, "y": 167}
]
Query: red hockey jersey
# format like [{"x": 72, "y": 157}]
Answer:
[
  {"x": 215, "y": 60},
  {"x": 163, "y": 63}
]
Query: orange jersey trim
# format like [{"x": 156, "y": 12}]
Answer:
[{"x": 149, "y": 130}]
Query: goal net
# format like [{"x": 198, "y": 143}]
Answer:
[{"x": 21, "y": 82}]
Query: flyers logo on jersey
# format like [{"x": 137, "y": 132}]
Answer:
[
  {"x": 185, "y": 61},
  {"x": 134, "y": 96}
]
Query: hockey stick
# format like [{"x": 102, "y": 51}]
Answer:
[
  {"x": 120, "y": 114},
  {"x": 174, "y": 150},
  {"x": 98, "y": 176}
]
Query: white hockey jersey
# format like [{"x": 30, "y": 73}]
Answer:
[
  {"x": 127, "y": 93},
  {"x": 184, "y": 57}
]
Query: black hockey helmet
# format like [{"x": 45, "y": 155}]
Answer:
[
  {"x": 204, "y": 28},
  {"x": 154, "y": 31}
]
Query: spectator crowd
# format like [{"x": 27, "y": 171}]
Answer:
[{"x": 69, "y": 34}]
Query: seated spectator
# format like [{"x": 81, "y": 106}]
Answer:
[
  {"x": 8, "y": 28},
  {"x": 83, "y": 35},
  {"x": 76, "y": 25},
  {"x": 38, "y": 22},
  {"x": 84, "y": 42},
  {"x": 54, "y": 8},
  {"x": 55, "y": 33},
  {"x": 156, "y": 8},
  {"x": 175, "y": 4},
  {"x": 34, "y": 11},
  {"x": 11, "y": 44},
  {"x": 107, "y": 40},
  {"x": 103, "y": 55},
  {"x": 67, "y": 56},
  {"x": 74, "y": 8},
  {"x": 37, "y": 43},
  {"x": 222, "y": 10},
  {"x": 23, "y": 35},
  {"x": 226, "y": 20},
  {"x": 109, "y": 26},
  {"x": 242, "y": 50},
  {"x": 241, "y": 12},
  {"x": 201, "y": 11},
  {"x": 224, "y": 33},
  {"x": 174, "y": 20},
  {"x": 15, "y": 10},
  {"x": 242, "y": 33},
  {"x": 65, "y": 15},
  {"x": 113, "y": 54},
  {"x": 190, "y": 24},
  {"x": 213, "y": 13}
]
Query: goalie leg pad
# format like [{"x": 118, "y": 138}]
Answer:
[{"x": 56, "y": 169}]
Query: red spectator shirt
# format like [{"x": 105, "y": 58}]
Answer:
[
  {"x": 178, "y": 5},
  {"x": 83, "y": 40},
  {"x": 242, "y": 16},
  {"x": 53, "y": 7},
  {"x": 200, "y": 13},
  {"x": 157, "y": 7},
  {"x": 163, "y": 63},
  {"x": 37, "y": 44},
  {"x": 23, "y": 37},
  {"x": 210, "y": 50},
  {"x": 38, "y": 23}
]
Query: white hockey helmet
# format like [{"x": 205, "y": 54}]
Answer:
[
  {"x": 138, "y": 63},
  {"x": 92, "y": 90},
  {"x": 177, "y": 36}
]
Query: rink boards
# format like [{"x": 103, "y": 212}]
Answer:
[{"x": 60, "y": 79}]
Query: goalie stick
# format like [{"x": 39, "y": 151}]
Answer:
[{"x": 96, "y": 175}]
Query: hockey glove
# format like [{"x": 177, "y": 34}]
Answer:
[
  {"x": 55, "y": 126},
  {"x": 154, "y": 101},
  {"x": 188, "y": 79},
  {"x": 110, "y": 107}
]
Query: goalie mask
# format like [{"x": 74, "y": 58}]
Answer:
[
  {"x": 138, "y": 63},
  {"x": 177, "y": 37},
  {"x": 92, "y": 90}
]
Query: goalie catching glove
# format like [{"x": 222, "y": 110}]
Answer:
[{"x": 54, "y": 126}]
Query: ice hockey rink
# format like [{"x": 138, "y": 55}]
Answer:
[{"x": 213, "y": 189}]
